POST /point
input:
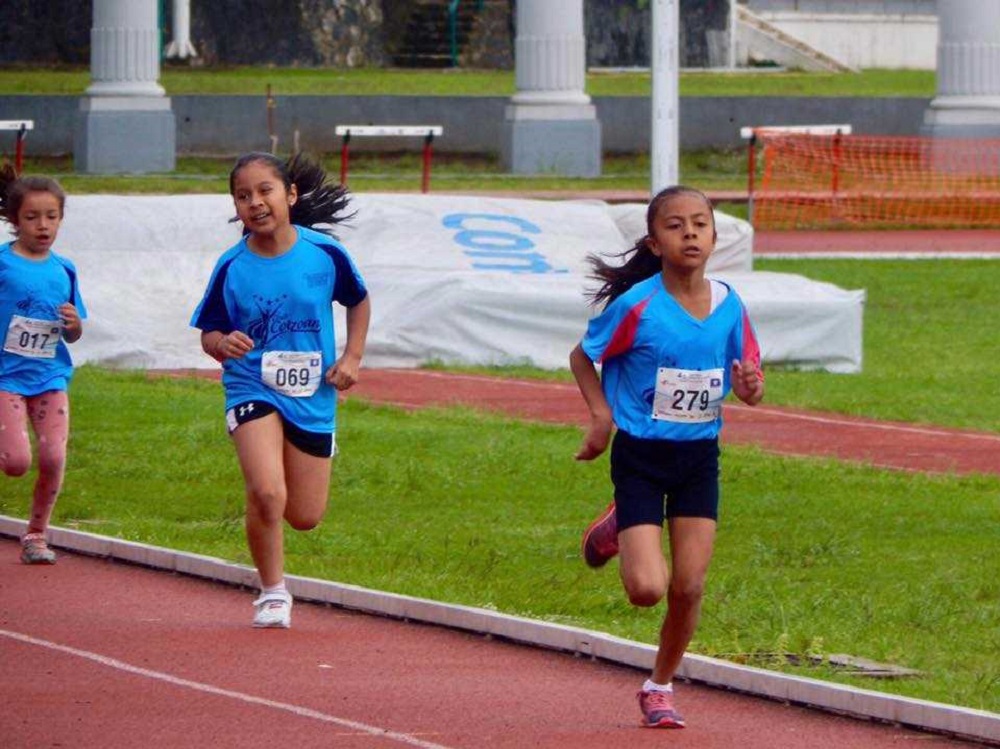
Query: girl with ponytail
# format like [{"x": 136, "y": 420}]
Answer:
[{"x": 267, "y": 316}]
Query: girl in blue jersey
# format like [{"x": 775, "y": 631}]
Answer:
[
  {"x": 267, "y": 315},
  {"x": 671, "y": 344},
  {"x": 40, "y": 312}
]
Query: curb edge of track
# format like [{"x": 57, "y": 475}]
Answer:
[{"x": 958, "y": 722}]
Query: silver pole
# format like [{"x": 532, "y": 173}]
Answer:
[{"x": 664, "y": 146}]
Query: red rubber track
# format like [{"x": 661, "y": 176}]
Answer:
[
  {"x": 787, "y": 431},
  {"x": 101, "y": 654}
]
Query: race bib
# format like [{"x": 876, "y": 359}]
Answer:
[
  {"x": 293, "y": 373},
  {"x": 27, "y": 336},
  {"x": 687, "y": 395}
]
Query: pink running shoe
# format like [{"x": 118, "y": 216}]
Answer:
[
  {"x": 658, "y": 710},
  {"x": 600, "y": 540},
  {"x": 34, "y": 550}
]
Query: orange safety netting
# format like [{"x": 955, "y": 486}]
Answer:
[{"x": 829, "y": 181}]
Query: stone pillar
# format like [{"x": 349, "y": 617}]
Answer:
[
  {"x": 967, "y": 104},
  {"x": 125, "y": 123},
  {"x": 550, "y": 125}
]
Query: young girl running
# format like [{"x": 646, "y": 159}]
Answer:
[
  {"x": 267, "y": 315},
  {"x": 40, "y": 312},
  {"x": 671, "y": 344}
]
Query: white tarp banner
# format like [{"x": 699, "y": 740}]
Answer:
[{"x": 456, "y": 279}]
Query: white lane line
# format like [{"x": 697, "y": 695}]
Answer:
[
  {"x": 875, "y": 255},
  {"x": 746, "y": 409},
  {"x": 303, "y": 712},
  {"x": 869, "y": 424}
]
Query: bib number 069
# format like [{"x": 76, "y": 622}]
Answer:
[{"x": 293, "y": 373}]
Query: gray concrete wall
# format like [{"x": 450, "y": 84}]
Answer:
[{"x": 227, "y": 125}]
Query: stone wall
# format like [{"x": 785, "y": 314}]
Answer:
[
  {"x": 306, "y": 33},
  {"x": 618, "y": 33},
  {"x": 332, "y": 33},
  {"x": 29, "y": 35}
]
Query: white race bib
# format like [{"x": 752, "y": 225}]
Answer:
[
  {"x": 687, "y": 395},
  {"x": 293, "y": 373},
  {"x": 27, "y": 336}
]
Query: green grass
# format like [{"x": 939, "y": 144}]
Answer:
[
  {"x": 814, "y": 556},
  {"x": 374, "y": 172},
  {"x": 183, "y": 80},
  {"x": 928, "y": 343}
]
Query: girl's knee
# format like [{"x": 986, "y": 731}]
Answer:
[
  {"x": 686, "y": 593},
  {"x": 15, "y": 465},
  {"x": 51, "y": 463},
  {"x": 645, "y": 593},
  {"x": 266, "y": 505},
  {"x": 303, "y": 520},
  {"x": 303, "y": 524}
]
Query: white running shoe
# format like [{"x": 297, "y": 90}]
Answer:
[{"x": 273, "y": 610}]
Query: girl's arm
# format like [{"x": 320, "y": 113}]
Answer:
[
  {"x": 344, "y": 373},
  {"x": 221, "y": 346},
  {"x": 598, "y": 435}
]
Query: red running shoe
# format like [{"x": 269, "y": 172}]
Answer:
[
  {"x": 600, "y": 540},
  {"x": 658, "y": 710}
]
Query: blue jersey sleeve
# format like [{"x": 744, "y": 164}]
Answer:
[
  {"x": 349, "y": 288},
  {"x": 212, "y": 312},
  {"x": 75, "y": 298},
  {"x": 613, "y": 331}
]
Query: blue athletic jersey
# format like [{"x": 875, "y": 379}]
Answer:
[
  {"x": 664, "y": 372},
  {"x": 34, "y": 358},
  {"x": 285, "y": 304}
]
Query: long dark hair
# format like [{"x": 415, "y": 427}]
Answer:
[
  {"x": 640, "y": 262},
  {"x": 320, "y": 204},
  {"x": 14, "y": 189}
]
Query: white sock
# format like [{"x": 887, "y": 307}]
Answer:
[
  {"x": 279, "y": 588},
  {"x": 652, "y": 686}
]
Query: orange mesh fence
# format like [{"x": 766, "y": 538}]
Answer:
[{"x": 853, "y": 181}]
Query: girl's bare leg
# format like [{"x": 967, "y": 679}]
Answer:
[
  {"x": 260, "y": 449},
  {"x": 308, "y": 481},
  {"x": 691, "y": 545}
]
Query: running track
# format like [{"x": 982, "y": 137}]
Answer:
[{"x": 101, "y": 654}]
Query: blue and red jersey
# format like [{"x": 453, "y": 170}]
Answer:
[{"x": 664, "y": 372}]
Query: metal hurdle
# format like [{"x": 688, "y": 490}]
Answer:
[
  {"x": 427, "y": 132},
  {"x": 21, "y": 127}
]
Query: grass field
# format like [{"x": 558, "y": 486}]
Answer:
[
  {"x": 395, "y": 172},
  {"x": 182, "y": 79},
  {"x": 814, "y": 557}
]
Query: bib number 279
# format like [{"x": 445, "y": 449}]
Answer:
[{"x": 685, "y": 395}]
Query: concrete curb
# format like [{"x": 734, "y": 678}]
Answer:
[{"x": 976, "y": 725}]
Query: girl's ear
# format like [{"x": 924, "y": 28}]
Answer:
[
  {"x": 651, "y": 245},
  {"x": 293, "y": 195}
]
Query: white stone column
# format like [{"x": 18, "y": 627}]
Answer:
[
  {"x": 125, "y": 123},
  {"x": 550, "y": 125},
  {"x": 967, "y": 104}
]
